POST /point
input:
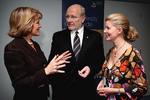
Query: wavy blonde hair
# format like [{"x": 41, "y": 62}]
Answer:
[
  {"x": 120, "y": 20},
  {"x": 21, "y": 21}
]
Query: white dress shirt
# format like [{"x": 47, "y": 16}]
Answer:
[{"x": 80, "y": 35}]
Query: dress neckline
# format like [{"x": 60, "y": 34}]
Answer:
[{"x": 119, "y": 59}]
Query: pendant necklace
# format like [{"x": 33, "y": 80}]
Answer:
[{"x": 116, "y": 50}]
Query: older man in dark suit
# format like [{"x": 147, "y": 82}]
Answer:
[{"x": 87, "y": 57}]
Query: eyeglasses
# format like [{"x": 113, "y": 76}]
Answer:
[{"x": 72, "y": 17}]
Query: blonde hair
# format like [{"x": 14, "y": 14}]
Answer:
[
  {"x": 120, "y": 20},
  {"x": 21, "y": 21}
]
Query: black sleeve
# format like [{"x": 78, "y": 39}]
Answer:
[{"x": 16, "y": 66}]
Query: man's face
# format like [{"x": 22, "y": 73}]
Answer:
[{"x": 74, "y": 18}]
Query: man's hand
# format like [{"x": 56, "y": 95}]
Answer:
[{"x": 84, "y": 72}]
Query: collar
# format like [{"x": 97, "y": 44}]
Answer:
[{"x": 80, "y": 30}]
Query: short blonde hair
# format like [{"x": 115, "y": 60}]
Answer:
[
  {"x": 21, "y": 21},
  {"x": 120, "y": 20}
]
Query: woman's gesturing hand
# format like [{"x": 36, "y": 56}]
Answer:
[{"x": 59, "y": 61}]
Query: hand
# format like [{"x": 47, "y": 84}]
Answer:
[
  {"x": 59, "y": 61},
  {"x": 84, "y": 72},
  {"x": 100, "y": 85},
  {"x": 101, "y": 92},
  {"x": 104, "y": 91}
]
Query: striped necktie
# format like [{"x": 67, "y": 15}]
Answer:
[{"x": 76, "y": 45}]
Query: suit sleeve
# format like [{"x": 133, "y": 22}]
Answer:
[{"x": 16, "y": 66}]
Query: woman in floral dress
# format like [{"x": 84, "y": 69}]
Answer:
[{"x": 122, "y": 75}]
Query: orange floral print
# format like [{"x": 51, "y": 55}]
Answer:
[
  {"x": 137, "y": 71},
  {"x": 123, "y": 66}
]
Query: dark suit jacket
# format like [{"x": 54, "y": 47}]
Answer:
[
  {"x": 71, "y": 84},
  {"x": 26, "y": 70}
]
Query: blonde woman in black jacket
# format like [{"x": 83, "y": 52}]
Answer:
[{"x": 24, "y": 59}]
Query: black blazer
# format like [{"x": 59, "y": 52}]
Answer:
[
  {"x": 26, "y": 70},
  {"x": 71, "y": 84}
]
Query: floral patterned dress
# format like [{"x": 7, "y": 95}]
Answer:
[{"x": 128, "y": 73}]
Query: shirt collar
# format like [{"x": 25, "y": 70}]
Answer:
[{"x": 80, "y": 30}]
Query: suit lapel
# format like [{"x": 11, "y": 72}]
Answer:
[
  {"x": 68, "y": 40},
  {"x": 28, "y": 47}
]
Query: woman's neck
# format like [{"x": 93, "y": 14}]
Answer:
[
  {"x": 28, "y": 39},
  {"x": 118, "y": 43}
]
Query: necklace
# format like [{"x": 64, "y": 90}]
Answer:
[
  {"x": 29, "y": 41},
  {"x": 116, "y": 50}
]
